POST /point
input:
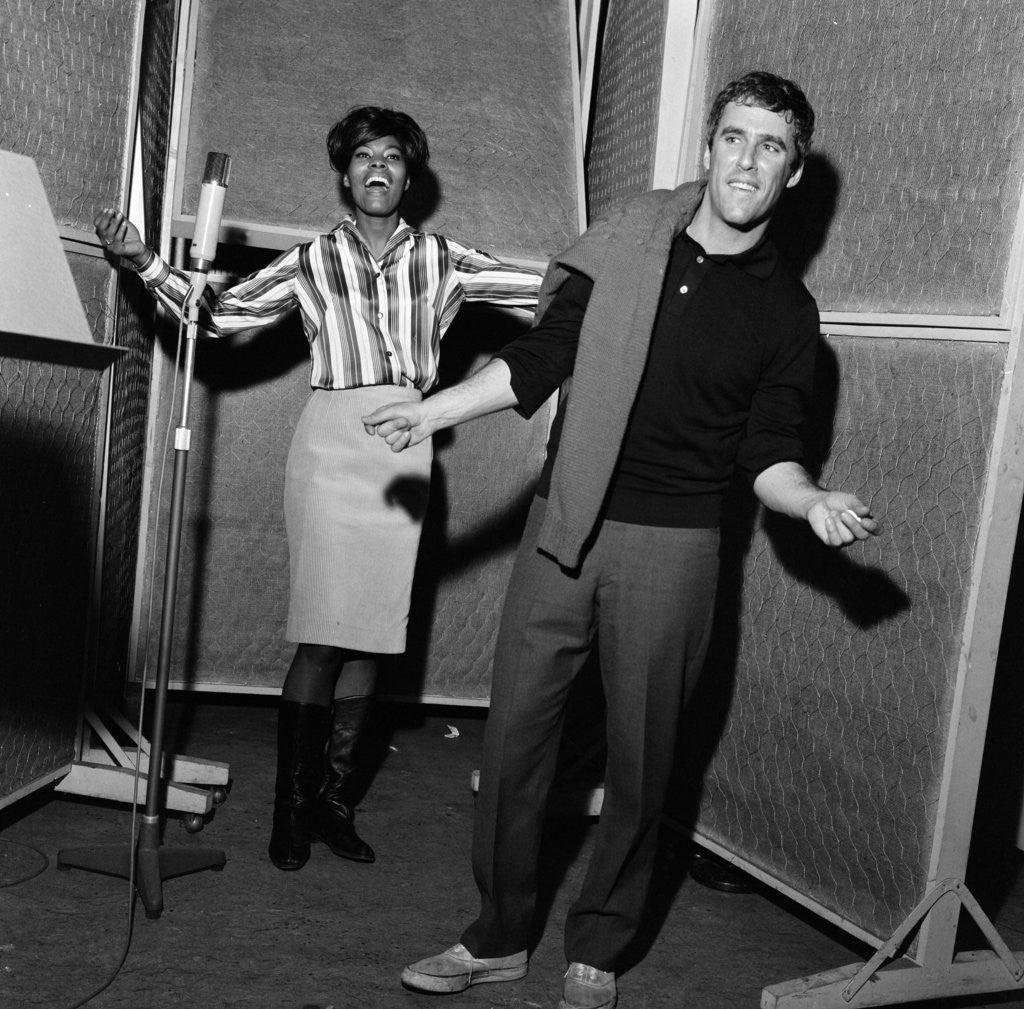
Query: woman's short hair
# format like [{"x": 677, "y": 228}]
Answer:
[{"x": 368, "y": 122}]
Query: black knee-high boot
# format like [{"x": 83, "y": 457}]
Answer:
[
  {"x": 335, "y": 812},
  {"x": 301, "y": 732}
]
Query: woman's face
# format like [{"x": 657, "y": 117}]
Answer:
[{"x": 377, "y": 176}]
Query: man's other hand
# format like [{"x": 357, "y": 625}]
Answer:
[{"x": 839, "y": 519}]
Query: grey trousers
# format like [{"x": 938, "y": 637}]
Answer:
[{"x": 646, "y": 595}]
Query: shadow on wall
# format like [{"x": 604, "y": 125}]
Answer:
[
  {"x": 803, "y": 217},
  {"x": 865, "y": 595},
  {"x": 445, "y": 556},
  {"x": 995, "y": 858}
]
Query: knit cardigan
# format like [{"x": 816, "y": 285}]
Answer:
[{"x": 625, "y": 254}]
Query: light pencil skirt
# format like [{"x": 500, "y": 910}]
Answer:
[{"x": 353, "y": 511}]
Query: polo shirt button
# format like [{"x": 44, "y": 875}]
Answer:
[{"x": 683, "y": 289}]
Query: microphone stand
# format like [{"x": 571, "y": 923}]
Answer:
[{"x": 151, "y": 862}]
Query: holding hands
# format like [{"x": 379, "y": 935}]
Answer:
[
  {"x": 401, "y": 425},
  {"x": 120, "y": 236}
]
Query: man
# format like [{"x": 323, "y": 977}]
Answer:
[{"x": 691, "y": 351}]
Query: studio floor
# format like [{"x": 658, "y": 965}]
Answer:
[{"x": 336, "y": 934}]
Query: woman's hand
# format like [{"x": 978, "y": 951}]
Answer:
[{"x": 120, "y": 236}]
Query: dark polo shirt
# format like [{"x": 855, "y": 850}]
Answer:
[{"x": 726, "y": 384}]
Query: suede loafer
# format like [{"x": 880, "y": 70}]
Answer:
[
  {"x": 456, "y": 969},
  {"x": 587, "y": 987}
]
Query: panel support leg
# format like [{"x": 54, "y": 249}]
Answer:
[{"x": 874, "y": 984}]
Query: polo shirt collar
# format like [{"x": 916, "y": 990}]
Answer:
[{"x": 759, "y": 261}]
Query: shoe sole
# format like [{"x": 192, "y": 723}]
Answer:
[
  {"x": 562, "y": 1004},
  {"x": 459, "y": 982}
]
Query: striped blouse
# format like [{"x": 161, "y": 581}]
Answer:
[{"x": 368, "y": 322}]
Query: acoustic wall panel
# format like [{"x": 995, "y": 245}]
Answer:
[
  {"x": 482, "y": 487},
  {"x": 834, "y": 673},
  {"x": 503, "y": 178},
  {"x": 130, "y": 323},
  {"x": 67, "y": 99},
  {"x": 65, "y": 87},
  {"x": 50, "y": 408},
  {"x": 232, "y": 594},
  {"x": 625, "y": 123},
  {"x": 232, "y": 590},
  {"x": 918, "y": 153},
  {"x": 155, "y": 102},
  {"x": 492, "y": 86}
]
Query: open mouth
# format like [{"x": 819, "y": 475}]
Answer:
[{"x": 378, "y": 182}]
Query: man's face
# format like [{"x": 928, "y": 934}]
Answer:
[
  {"x": 378, "y": 176},
  {"x": 749, "y": 165}
]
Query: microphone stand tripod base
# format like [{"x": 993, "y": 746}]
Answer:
[{"x": 153, "y": 863}]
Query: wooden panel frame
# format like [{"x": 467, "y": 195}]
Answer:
[{"x": 932, "y": 968}]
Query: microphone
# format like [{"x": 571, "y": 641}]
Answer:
[{"x": 211, "y": 204}]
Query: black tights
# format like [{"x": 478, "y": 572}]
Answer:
[{"x": 321, "y": 673}]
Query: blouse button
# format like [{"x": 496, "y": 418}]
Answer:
[
  {"x": 683, "y": 289},
  {"x": 700, "y": 259}
]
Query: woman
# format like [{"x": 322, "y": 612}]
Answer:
[{"x": 375, "y": 297}]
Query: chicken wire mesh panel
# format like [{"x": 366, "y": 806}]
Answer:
[
  {"x": 625, "y": 123},
  {"x": 65, "y": 87},
  {"x": 909, "y": 200},
  {"x": 232, "y": 594},
  {"x": 65, "y": 95},
  {"x": 130, "y": 324},
  {"x": 827, "y": 708},
  {"x": 49, "y": 426},
  {"x": 155, "y": 94},
  {"x": 232, "y": 589},
  {"x": 482, "y": 485},
  {"x": 491, "y": 85}
]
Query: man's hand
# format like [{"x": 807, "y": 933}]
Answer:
[
  {"x": 120, "y": 236},
  {"x": 401, "y": 425},
  {"x": 838, "y": 519},
  {"x": 405, "y": 424}
]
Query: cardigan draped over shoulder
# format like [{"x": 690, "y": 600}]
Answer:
[{"x": 625, "y": 254}]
